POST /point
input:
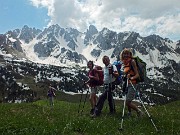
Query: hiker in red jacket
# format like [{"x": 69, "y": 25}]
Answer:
[{"x": 93, "y": 78}]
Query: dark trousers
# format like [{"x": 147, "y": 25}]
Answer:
[{"x": 107, "y": 94}]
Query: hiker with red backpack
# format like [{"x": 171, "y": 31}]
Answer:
[
  {"x": 110, "y": 74},
  {"x": 93, "y": 84},
  {"x": 131, "y": 76}
]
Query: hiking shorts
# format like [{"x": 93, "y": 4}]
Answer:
[
  {"x": 94, "y": 90},
  {"x": 131, "y": 93}
]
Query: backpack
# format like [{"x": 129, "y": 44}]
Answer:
[
  {"x": 141, "y": 67},
  {"x": 118, "y": 65},
  {"x": 100, "y": 74},
  {"x": 51, "y": 93}
]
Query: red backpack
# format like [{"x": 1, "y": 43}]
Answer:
[{"x": 100, "y": 74}]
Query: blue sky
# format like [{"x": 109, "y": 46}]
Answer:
[
  {"x": 17, "y": 13},
  {"x": 161, "y": 17}
]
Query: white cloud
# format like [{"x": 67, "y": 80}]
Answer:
[{"x": 160, "y": 17}]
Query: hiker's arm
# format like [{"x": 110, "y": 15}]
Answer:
[
  {"x": 96, "y": 76},
  {"x": 88, "y": 81},
  {"x": 54, "y": 88},
  {"x": 135, "y": 71},
  {"x": 115, "y": 72}
]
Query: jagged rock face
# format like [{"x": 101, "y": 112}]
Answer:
[
  {"x": 44, "y": 50},
  {"x": 96, "y": 53},
  {"x": 177, "y": 49},
  {"x": 158, "y": 43},
  {"x": 28, "y": 34},
  {"x": 105, "y": 39},
  {"x": 89, "y": 34},
  {"x": 10, "y": 42},
  {"x": 74, "y": 56},
  {"x": 55, "y": 41},
  {"x": 2, "y": 39}
]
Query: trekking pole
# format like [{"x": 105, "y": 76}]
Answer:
[
  {"x": 111, "y": 92},
  {"x": 110, "y": 89},
  {"x": 84, "y": 102},
  {"x": 122, "y": 120},
  {"x": 80, "y": 101},
  {"x": 145, "y": 108}
]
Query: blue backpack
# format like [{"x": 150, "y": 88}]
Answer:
[{"x": 118, "y": 65}]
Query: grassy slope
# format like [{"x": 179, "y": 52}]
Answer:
[{"x": 63, "y": 119}]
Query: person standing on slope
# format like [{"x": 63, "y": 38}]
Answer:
[
  {"x": 110, "y": 74},
  {"x": 51, "y": 94},
  {"x": 131, "y": 72},
  {"x": 93, "y": 78}
]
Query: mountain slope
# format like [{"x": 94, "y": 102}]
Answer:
[{"x": 67, "y": 47}]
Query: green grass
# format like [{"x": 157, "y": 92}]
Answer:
[{"x": 63, "y": 119}]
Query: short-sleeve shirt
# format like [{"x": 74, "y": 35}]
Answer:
[{"x": 108, "y": 78}]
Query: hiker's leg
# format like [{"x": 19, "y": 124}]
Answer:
[
  {"x": 90, "y": 99},
  {"x": 131, "y": 96},
  {"x": 100, "y": 102},
  {"x": 93, "y": 100},
  {"x": 93, "y": 97},
  {"x": 129, "y": 108},
  {"x": 131, "y": 105},
  {"x": 110, "y": 99},
  {"x": 52, "y": 100}
]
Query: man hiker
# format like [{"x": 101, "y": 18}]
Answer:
[
  {"x": 131, "y": 72},
  {"x": 93, "y": 78},
  {"x": 110, "y": 74}
]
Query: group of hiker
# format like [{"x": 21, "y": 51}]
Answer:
[
  {"x": 110, "y": 73},
  {"x": 107, "y": 77}
]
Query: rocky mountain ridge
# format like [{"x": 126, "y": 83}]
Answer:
[{"x": 67, "y": 46}]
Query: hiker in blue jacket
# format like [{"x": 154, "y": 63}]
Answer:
[{"x": 110, "y": 74}]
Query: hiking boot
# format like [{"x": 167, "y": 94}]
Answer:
[
  {"x": 94, "y": 115},
  {"x": 140, "y": 113},
  {"x": 129, "y": 114},
  {"x": 92, "y": 111},
  {"x": 112, "y": 112}
]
